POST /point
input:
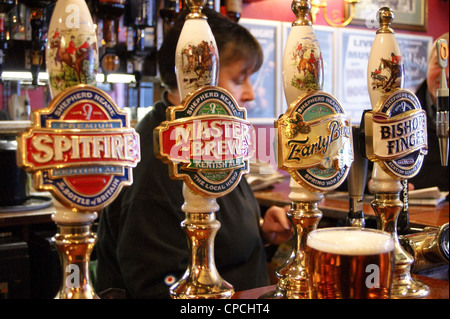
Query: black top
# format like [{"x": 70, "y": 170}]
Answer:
[
  {"x": 141, "y": 246},
  {"x": 432, "y": 172}
]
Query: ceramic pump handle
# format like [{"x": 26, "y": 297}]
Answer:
[
  {"x": 302, "y": 61},
  {"x": 72, "y": 51},
  {"x": 385, "y": 68},
  {"x": 384, "y": 74},
  {"x": 197, "y": 56},
  {"x": 302, "y": 70}
]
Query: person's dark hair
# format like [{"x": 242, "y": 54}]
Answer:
[{"x": 234, "y": 42}]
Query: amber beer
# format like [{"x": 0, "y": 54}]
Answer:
[{"x": 350, "y": 263}]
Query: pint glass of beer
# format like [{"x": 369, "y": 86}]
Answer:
[{"x": 350, "y": 263}]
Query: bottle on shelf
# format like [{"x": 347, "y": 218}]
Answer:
[
  {"x": 109, "y": 11},
  {"x": 145, "y": 27},
  {"x": 5, "y": 7},
  {"x": 141, "y": 40},
  {"x": 169, "y": 13},
  {"x": 233, "y": 9},
  {"x": 38, "y": 25}
]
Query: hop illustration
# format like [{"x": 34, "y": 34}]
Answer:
[{"x": 296, "y": 125}]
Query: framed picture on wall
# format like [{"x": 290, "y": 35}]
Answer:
[
  {"x": 415, "y": 51},
  {"x": 354, "y": 51},
  {"x": 354, "y": 48},
  {"x": 408, "y": 14},
  {"x": 266, "y": 82}
]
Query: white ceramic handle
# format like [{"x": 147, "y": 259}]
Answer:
[
  {"x": 197, "y": 56},
  {"x": 384, "y": 74},
  {"x": 71, "y": 43}
]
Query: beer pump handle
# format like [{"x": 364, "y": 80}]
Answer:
[
  {"x": 196, "y": 36},
  {"x": 357, "y": 178},
  {"x": 389, "y": 171},
  {"x": 442, "y": 58},
  {"x": 442, "y": 99}
]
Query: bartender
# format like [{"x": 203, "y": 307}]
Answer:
[{"x": 142, "y": 249}]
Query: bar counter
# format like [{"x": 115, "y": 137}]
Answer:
[
  {"x": 277, "y": 195},
  {"x": 337, "y": 207}
]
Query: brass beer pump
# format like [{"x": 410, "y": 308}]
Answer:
[
  {"x": 201, "y": 279},
  {"x": 75, "y": 241},
  {"x": 203, "y": 183},
  {"x": 84, "y": 179},
  {"x": 82, "y": 187},
  {"x": 304, "y": 215},
  {"x": 392, "y": 104},
  {"x": 303, "y": 125}
]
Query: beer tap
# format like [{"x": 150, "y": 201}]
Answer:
[
  {"x": 200, "y": 190},
  {"x": 357, "y": 178},
  {"x": 71, "y": 54},
  {"x": 393, "y": 106},
  {"x": 75, "y": 214},
  {"x": 313, "y": 171},
  {"x": 200, "y": 210},
  {"x": 442, "y": 99}
]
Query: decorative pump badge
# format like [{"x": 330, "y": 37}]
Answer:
[
  {"x": 80, "y": 148},
  {"x": 315, "y": 142},
  {"x": 207, "y": 140},
  {"x": 396, "y": 134}
]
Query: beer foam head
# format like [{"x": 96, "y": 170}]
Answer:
[{"x": 350, "y": 241}]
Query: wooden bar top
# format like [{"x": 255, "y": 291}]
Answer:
[
  {"x": 439, "y": 289},
  {"x": 277, "y": 195},
  {"x": 338, "y": 206}
]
